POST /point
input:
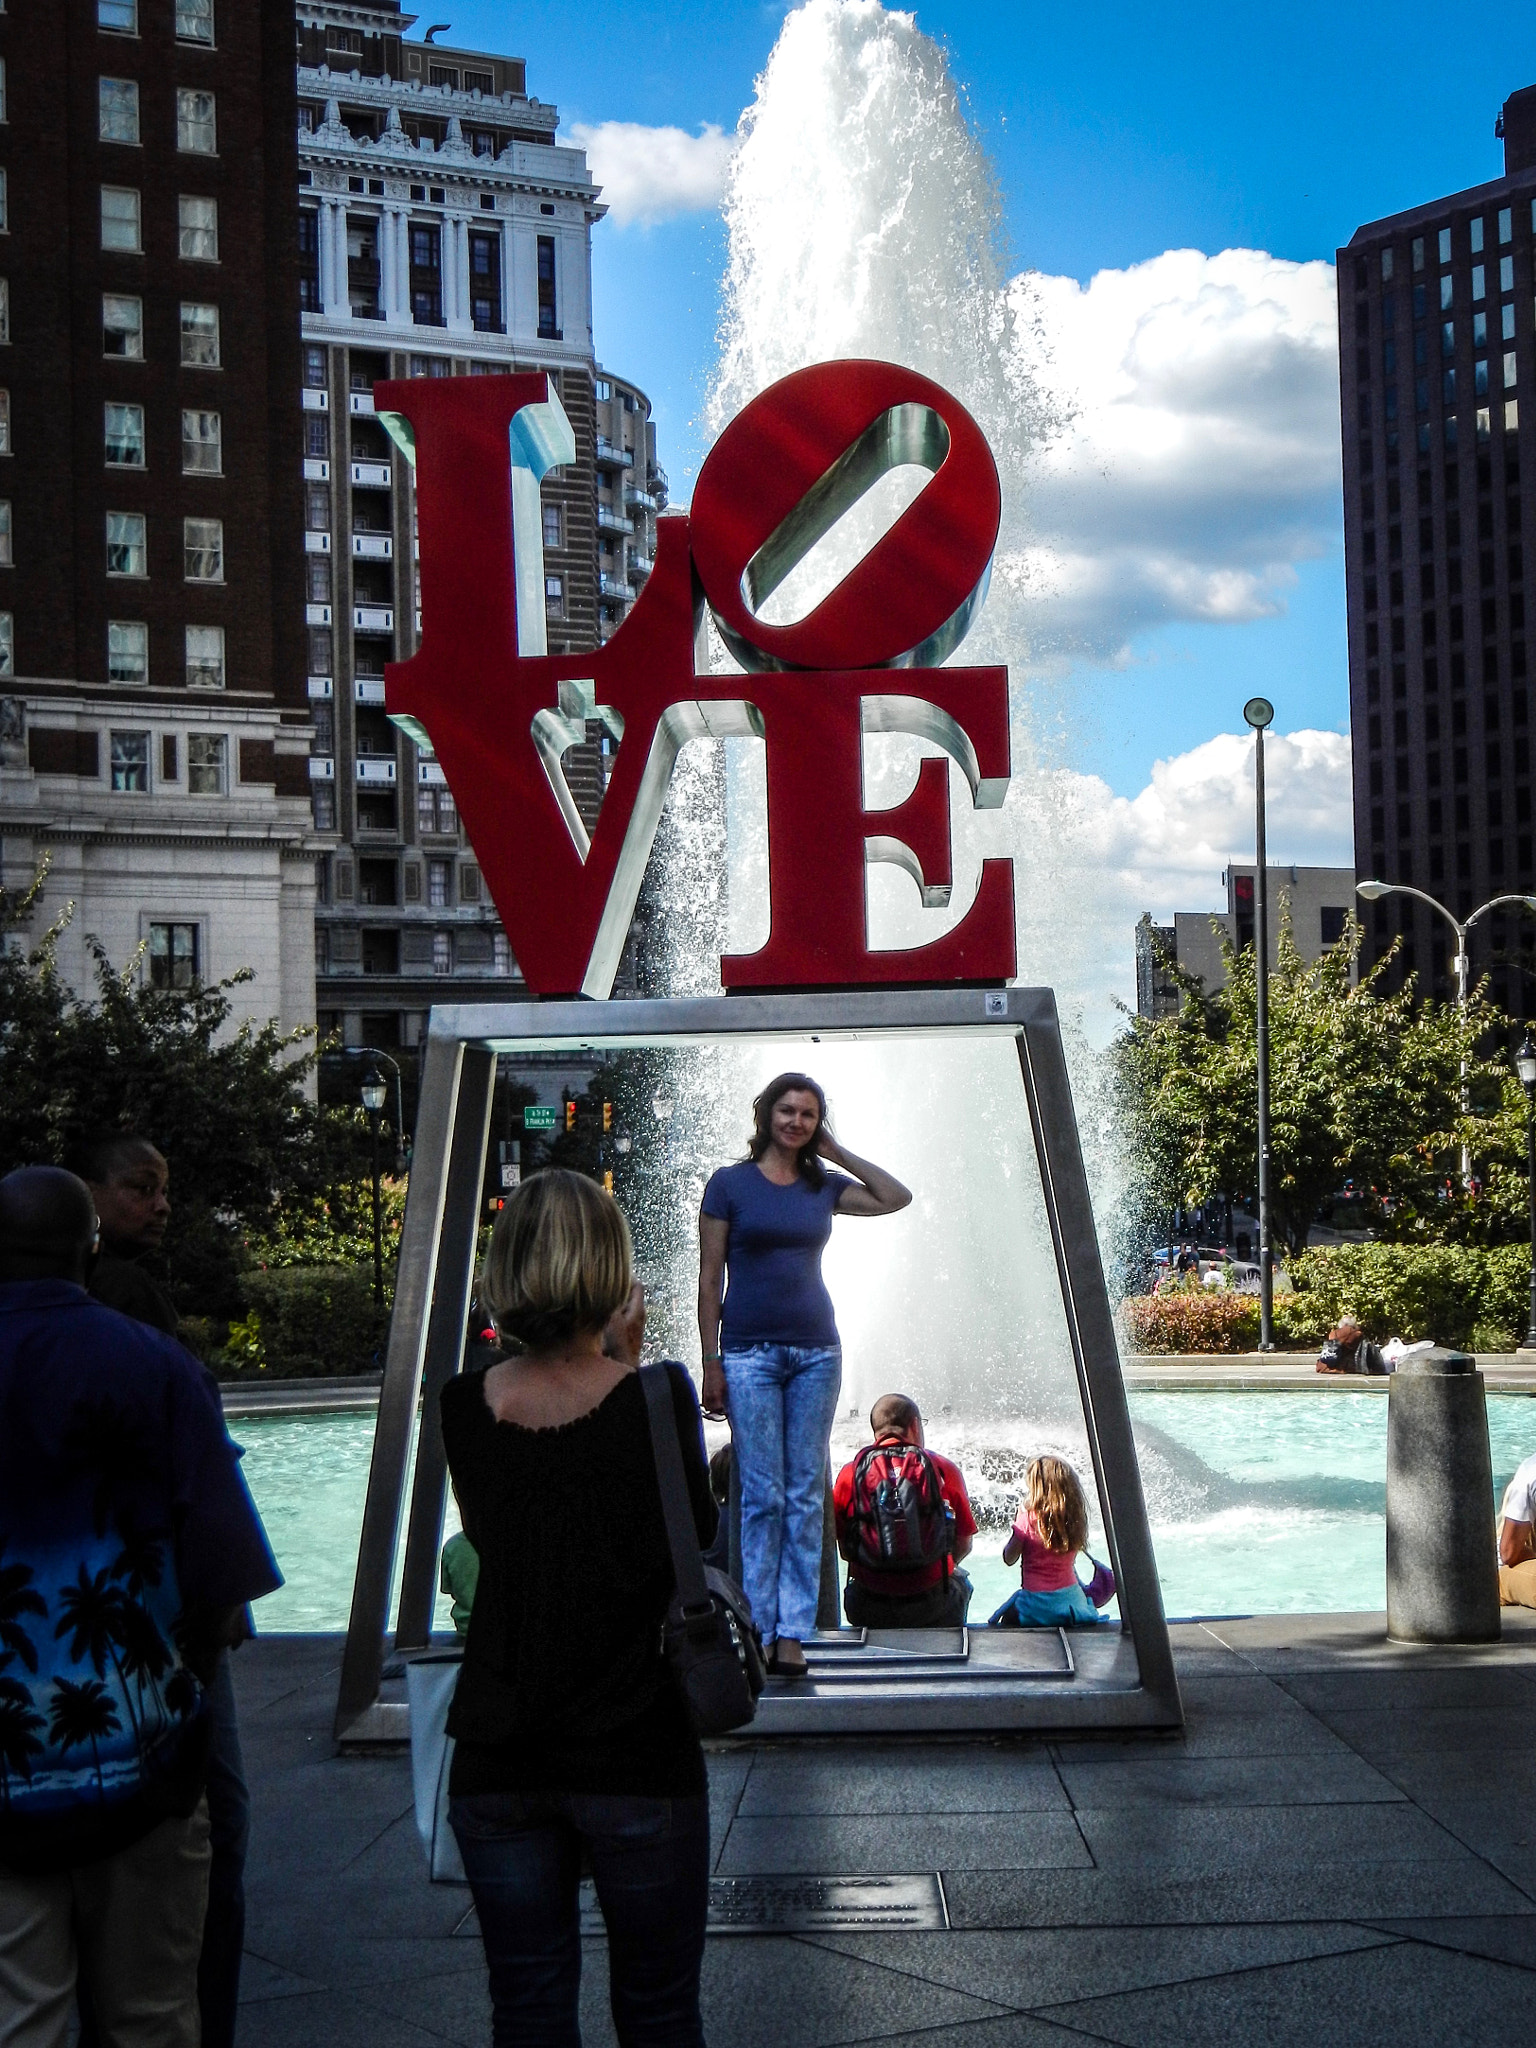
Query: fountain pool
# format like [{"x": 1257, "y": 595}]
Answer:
[{"x": 1259, "y": 1502}]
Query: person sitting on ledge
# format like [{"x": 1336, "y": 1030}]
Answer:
[
  {"x": 898, "y": 1500},
  {"x": 1051, "y": 1529},
  {"x": 1346, "y": 1348},
  {"x": 1517, "y": 1539}
]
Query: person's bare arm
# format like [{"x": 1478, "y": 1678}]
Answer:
[
  {"x": 962, "y": 1546},
  {"x": 878, "y": 1194},
  {"x": 714, "y": 1233},
  {"x": 1517, "y": 1542},
  {"x": 1012, "y": 1549}
]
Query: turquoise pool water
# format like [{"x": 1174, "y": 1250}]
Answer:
[{"x": 1260, "y": 1503}]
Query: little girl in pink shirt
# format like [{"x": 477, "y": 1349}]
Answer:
[{"x": 1051, "y": 1529}]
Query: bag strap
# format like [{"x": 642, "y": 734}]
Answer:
[{"x": 682, "y": 1536}]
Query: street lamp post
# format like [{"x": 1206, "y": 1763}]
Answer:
[
  {"x": 374, "y": 1094},
  {"x": 1460, "y": 962},
  {"x": 1525, "y": 1067},
  {"x": 376, "y": 1053},
  {"x": 1259, "y": 712}
]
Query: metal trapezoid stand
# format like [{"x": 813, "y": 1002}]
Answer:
[{"x": 1103, "y": 1678}]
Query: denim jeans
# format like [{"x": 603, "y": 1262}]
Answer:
[
  {"x": 783, "y": 1402},
  {"x": 649, "y": 1860}
]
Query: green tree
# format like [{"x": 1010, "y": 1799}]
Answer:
[
  {"x": 1364, "y": 1085},
  {"x": 228, "y": 1104}
]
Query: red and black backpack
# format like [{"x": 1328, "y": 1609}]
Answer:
[{"x": 898, "y": 1514}]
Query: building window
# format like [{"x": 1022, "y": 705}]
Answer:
[
  {"x": 501, "y": 954},
  {"x": 5, "y": 203},
  {"x": 123, "y": 430},
  {"x": 199, "y": 337},
  {"x": 202, "y": 444},
  {"x": 127, "y": 548},
  {"x": 196, "y": 129},
  {"x": 207, "y": 764},
  {"x": 552, "y": 526},
  {"x": 439, "y": 875},
  {"x": 309, "y": 266},
  {"x": 120, "y": 219},
  {"x": 317, "y": 508},
  {"x": 194, "y": 21},
  {"x": 5, "y": 311},
  {"x": 317, "y": 434},
  {"x": 127, "y": 651},
  {"x": 442, "y": 953},
  {"x": 172, "y": 955},
  {"x": 203, "y": 550},
  {"x": 117, "y": 109},
  {"x": 554, "y": 596},
  {"x": 205, "y": 657},
  {"x": 5, "y": 422},
  {"x": 7, "y": 645},
  {"x": 324, "y": 798},
  {"x": 469, "y": 883},
  {"x": 485, "y": 282},
  {"x": 197, "y": 229},
  {"x": 319, "y": 651},
  {"x": 130, "y": 762},
  {"x": 431, "y": 366},
  {"x": 122, "y": 327},
  {"x": 1479, "y": 282},
  {"x": 444, "y": 75},
  {"x": 318, "y": 579},
  {"x": 6, "y": 557},
  {"x": 548, "y": 324},
  {"x": 1506, "y": 273},
  {"x": 3, "y": 114},
  {"x": 120, "y": 16},
  {"x": 314, "y": 368}
]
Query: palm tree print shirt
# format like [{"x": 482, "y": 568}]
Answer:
[{"x": 124, "y": 1523}]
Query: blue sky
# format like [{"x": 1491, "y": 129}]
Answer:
[{"x": 1117, "y": 134}]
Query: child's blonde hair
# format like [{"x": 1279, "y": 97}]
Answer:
[{"x": 1053, "y": 1494}]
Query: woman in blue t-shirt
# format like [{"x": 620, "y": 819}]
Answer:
[{"x": 772, "y": 1357}]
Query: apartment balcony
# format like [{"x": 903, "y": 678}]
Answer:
[
  {"x": 373, "y": 618},
  {"x": 610, "y": 586},
  {"x": 317, "y": 470},
  {"x": 317, "y": 615},
  {"x": 375, "y": 475},
  {"x": 613, "y": 522},
  {"x": 320, "y": 688},
  {"x": 368, "y": 689},
  {"x": 639, "y": 567},
  {"x": 372, "y": 547},
  {"x": 611, "y": 457},
  {"x": 360, "y": 402},
  {"x": 316, "y": 543},
  {"x": 316, "y": 401},
  {"x": 633, "y": 495},
  {"x": 380, "y": 773},
  {"x": 321, "y": 768}
]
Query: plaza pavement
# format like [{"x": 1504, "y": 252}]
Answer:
[{"x": 1340, "y": 1849}]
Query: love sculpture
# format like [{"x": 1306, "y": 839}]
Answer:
[{"x": 500, "y": 712}]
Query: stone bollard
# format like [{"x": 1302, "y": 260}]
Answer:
[{"x": 1442, "y": 1565}]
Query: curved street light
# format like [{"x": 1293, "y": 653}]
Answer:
[
  {"x": 1525, "y": 1067},
  {"x": 1259, "y": 713},
  {"x": 1373, "y": 893}
]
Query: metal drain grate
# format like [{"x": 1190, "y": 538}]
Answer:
[{"x": 804, "y": 1905}]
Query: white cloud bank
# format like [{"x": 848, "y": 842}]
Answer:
[
  {"x": 654, "y": 174},
  {"x": 1200, "y": 458}
]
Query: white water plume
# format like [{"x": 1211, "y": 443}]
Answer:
[{"x": 863, "y": 220}]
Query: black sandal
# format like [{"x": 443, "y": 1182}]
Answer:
[{"x": 780, "y": 1669}]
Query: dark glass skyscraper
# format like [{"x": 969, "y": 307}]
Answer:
[{"x": 1437, "y": 368}]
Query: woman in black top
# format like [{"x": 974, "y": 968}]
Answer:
[{"x": 571, "y": 1739}]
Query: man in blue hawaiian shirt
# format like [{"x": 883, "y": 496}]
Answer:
[{"x": 129, "y": 1548}]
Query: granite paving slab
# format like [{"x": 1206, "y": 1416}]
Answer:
[{"x": 909, "y": 1840}]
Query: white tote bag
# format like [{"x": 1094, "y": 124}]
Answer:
[{"x": 429, "y": 1686}]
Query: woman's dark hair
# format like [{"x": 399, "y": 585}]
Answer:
[{"x": 807, "y": 1159}]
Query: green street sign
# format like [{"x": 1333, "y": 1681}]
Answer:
[{"x": 539, "y": 1116}]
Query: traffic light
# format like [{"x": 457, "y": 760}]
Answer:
[
  {"x": 570, "y": 1116},
  {"x": 607, "y": 1116}
]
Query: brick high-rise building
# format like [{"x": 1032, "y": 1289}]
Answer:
[
  {"x": 154, "y": 728},
  {"x": 1437, "y": 359},
  {"x": 445, "y": 233}
]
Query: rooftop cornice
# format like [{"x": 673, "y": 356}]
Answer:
[
  {"x": 385, "y": 21},
  {"x": 1514, "y": 183},
  {"x": 322, "y": 82},
  {"x": 478, "y": 171}
]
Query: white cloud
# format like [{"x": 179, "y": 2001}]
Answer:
[
  {"x": 1200, "y": 461},
  {"x": 653, "y": 174}
]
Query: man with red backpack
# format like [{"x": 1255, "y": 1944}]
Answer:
[{"x": 904, "y": 1522}]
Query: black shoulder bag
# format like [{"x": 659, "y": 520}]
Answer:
[{"x": 709, "y": 1640}]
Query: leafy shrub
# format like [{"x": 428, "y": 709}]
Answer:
[
  {"x": 1188, "y": 1321},
  {"x": 307, "y": 1322}
]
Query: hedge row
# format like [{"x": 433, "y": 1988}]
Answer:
[
  {"x": 1458, "y": 1295},
  {"x": 306, "y": 1322}
]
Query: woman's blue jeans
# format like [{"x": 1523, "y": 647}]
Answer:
[
  {"x": 783, "y": 1402},
  {"x": 649, "y": 1858}
]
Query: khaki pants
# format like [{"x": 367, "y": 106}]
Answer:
[
  {"x": 130, "y": 1927},
  {"x": 1517, "y": 1584}
]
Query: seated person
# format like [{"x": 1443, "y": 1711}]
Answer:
[
  {"x": 901, "y": 1502},
  {"x": 1051, "y": 1529},
  {"x": 1517, "y": 1539},
  {"x": 1346, "y": 1348}
]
